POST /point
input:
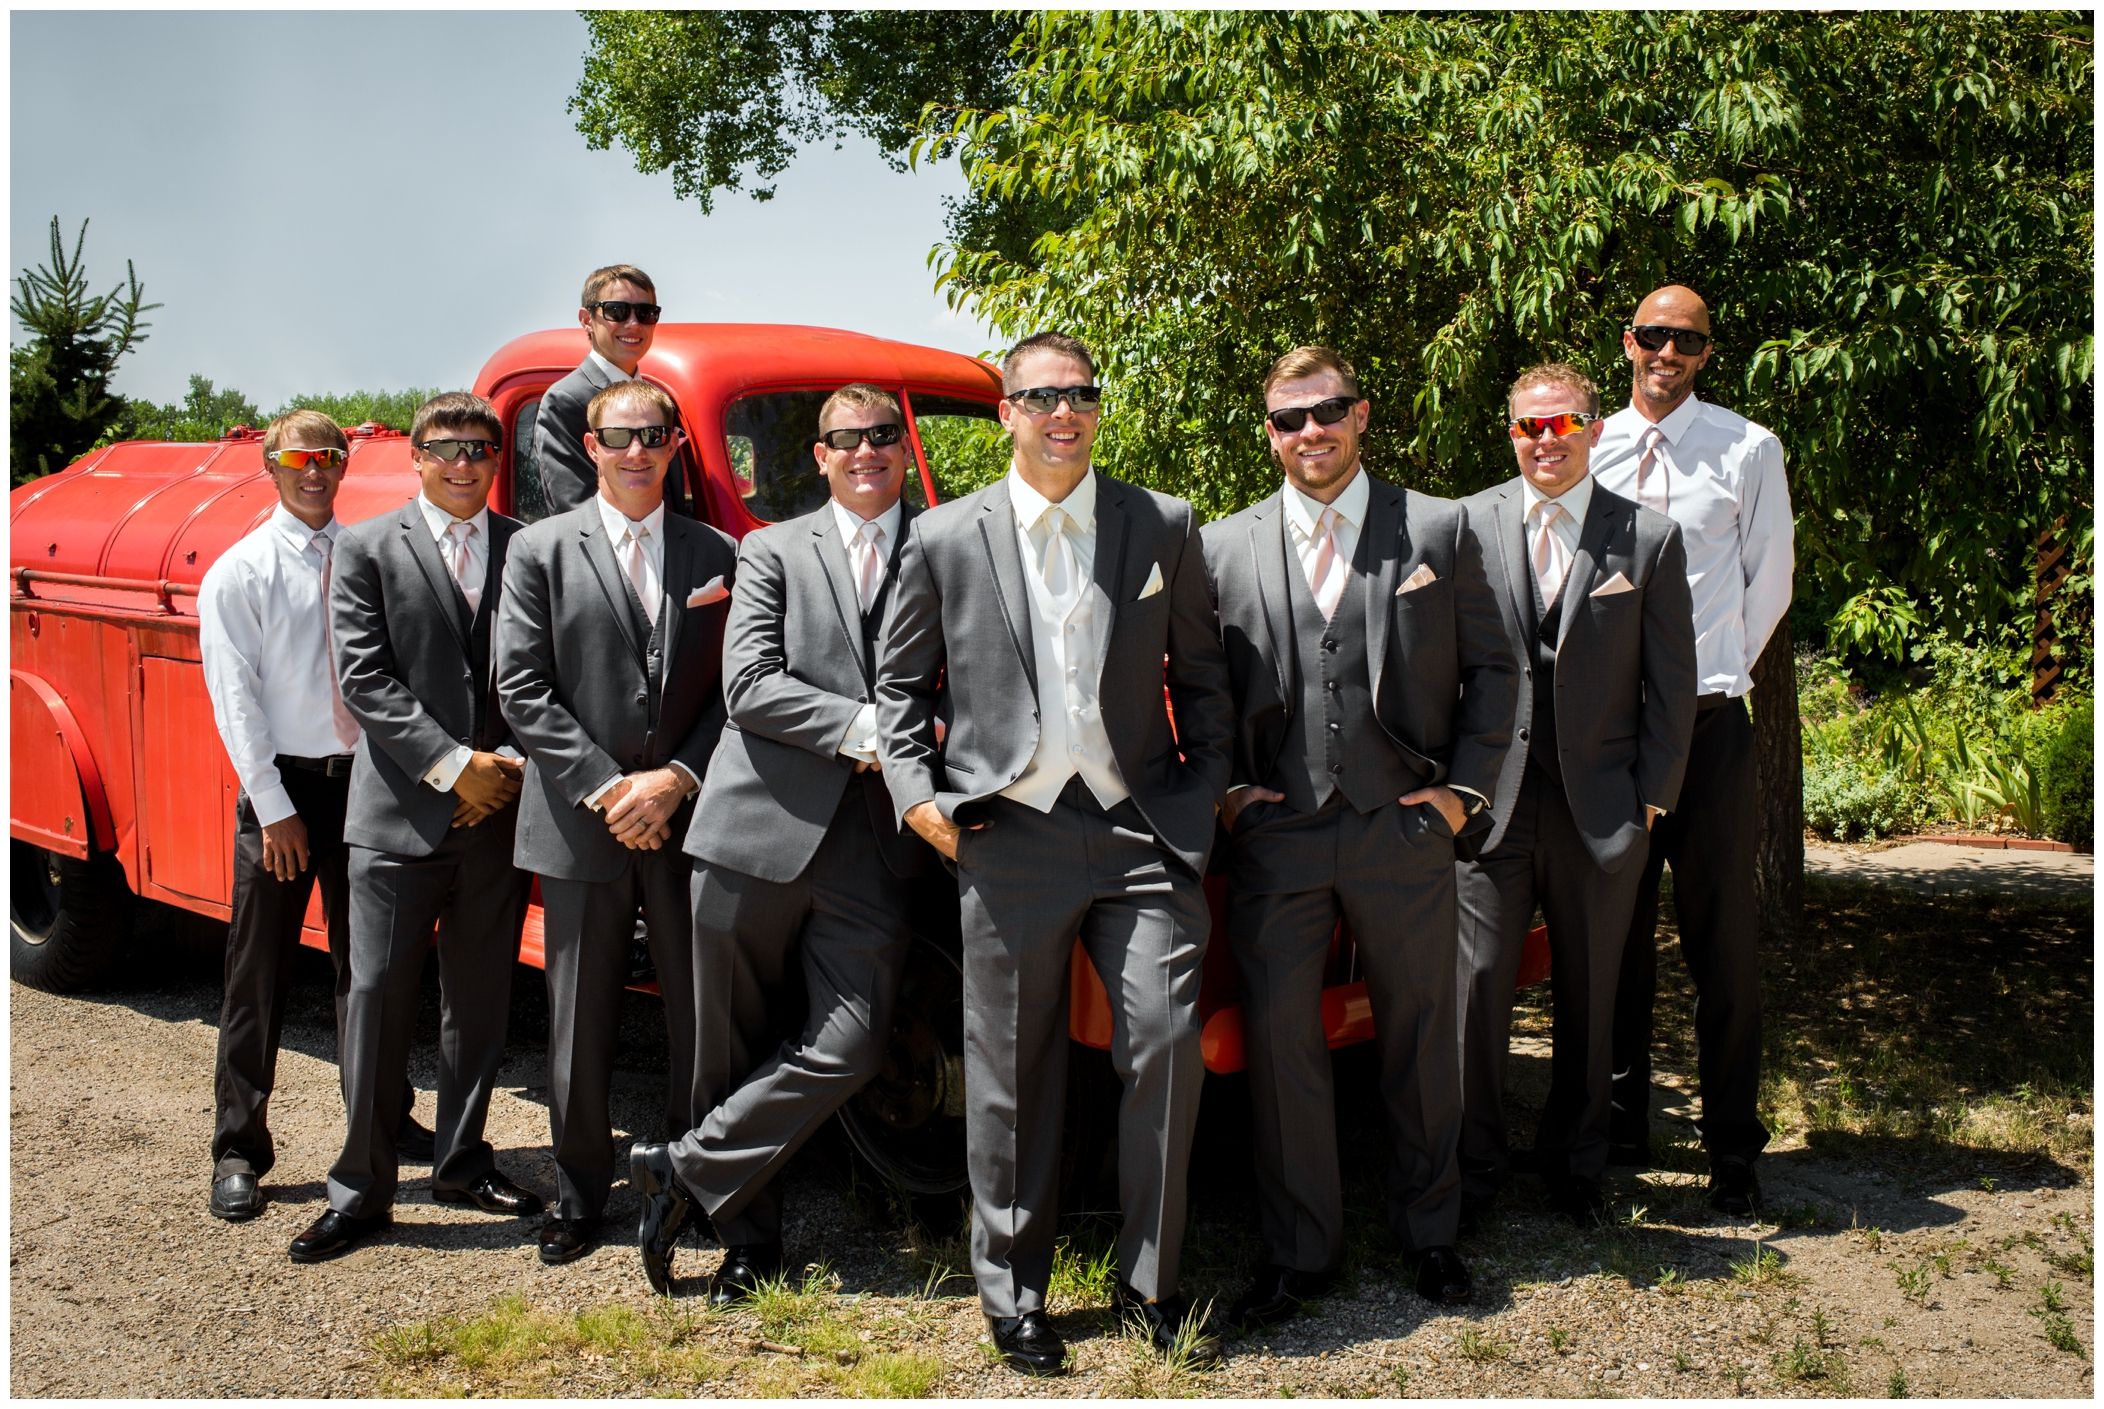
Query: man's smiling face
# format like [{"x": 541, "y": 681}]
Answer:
[
  {"x": 1318, "y": 459},
  {"x": 1553, "y": 463},
  {"x": 1056, "y": 442},
  {"x": 867, "y": 479}
]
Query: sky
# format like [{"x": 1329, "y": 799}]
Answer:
[{"x": 329, "y": 202}]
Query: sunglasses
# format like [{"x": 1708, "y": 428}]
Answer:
[
  {"x": 615, "y": 310},
  {"x": 1042, "y": 400},
  {"x": 450, "y": 450},
  {"x": 1562, "y": 423},
  {"x": 845, "y": 439},
  {"x": 1686, "y": 341},
  {"x": 1326, "y": 413},
  {"x": 328, "y": 458},
  {"x": 618, "y": 437}
]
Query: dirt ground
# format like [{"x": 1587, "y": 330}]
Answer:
[{"x": 1883, "y": 1265}]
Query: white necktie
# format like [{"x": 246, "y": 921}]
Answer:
[
  {"x": 1551, "y": 560},
  {"x": 345, "y": 726},
  {"x": 641, "y": 576},
  {"x": 1326, "y": 574},
  {"x": 1651, "y": 472},
  {"x": 869, "y": 567},
  {"x": 459, "y": 535},
  {"x": 1057, "y": 569}
]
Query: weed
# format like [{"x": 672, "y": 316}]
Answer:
[
  {"x": 1874, "y": 1238},
  {"x": 2004, "y": 1276},
  {"x": 1082, "y": 1276},
  {"x": 1559, "y": 1339},
  {"x": 2030, "y": 1238},
  {"x": 1802, "y": 1362},
  {"x": 1942, "y": 1256},
  {"x": 2059, "y": 1332},
  {"x": 1762, "y": 1269},
  {"x": 891, "y": 1376},
  {"x": 1682, "y": 1363},
  {"x": 1987, "y": 1182},
  {"x": 1891, "y": 1322},
  {"x": 1477, "y": 1348},
  {"x": 1872, "y": 1341},
  {"x": 1738, "y": 1380},
  {"x": 1913, "y": 1282},
  {"x": 1896, "y": 1385},
  {"x": 1670, "y": 1281},
  {"x": 2075, "y": 1264},
  {"x": 2051, "y": 1297},
  {"x": 1766, "y": 1334},
  {"x": 1804, "y": 1215},
  {"x": 1401, "y": 1379},
  {"x": 1635, "y": 1217},
  {"x": 1822, "y": 1328}
]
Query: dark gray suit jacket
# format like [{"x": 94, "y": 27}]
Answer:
[
  {"x": 571, "y": 675},
  {"x": 400, "y": 632},
  {"x": 1443, "y": 671},
  {"x": 1625, "y": 663},
  {"x": 568, "y": 476},
  {"x": 795, "y": 674},
  {"x": 961, "y": 606}
]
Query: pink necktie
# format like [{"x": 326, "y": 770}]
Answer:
[
  {"x": 636, "y": 563},
  {"x": 463, "y": 565},
  {"x": 346, "y": 727},
  {"x": 869, "y": 568},
  {"x": 1551, "y": 561},
  {"x": 1651, "y": 492},
  {"x": 1327, "y": 572}
]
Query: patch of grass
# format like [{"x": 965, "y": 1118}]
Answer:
[
  {"x": 1874, "y": 1238},
  {"x": 2059, "y": 1332},
  {"x": 513, "y": 1346},
  {"x": 2051, "y": 1297},
  {"x": 2004, "y": 1275},
  {"x": 1477, "y": 1348},
  {"x": 2075, "y": 1264},
  {"x": 1763, "y": 1269},
  {"x": 1822, "y": 1328},
  {"x": 1803, "y": 1363},
  {"x": 1803, "y": 1215},
  {"x": 1400, "y": 1378},
  {"x": 1082, "y": 1274},
  {"x": 1682, "y": 1363},
  {"x": 1670, "y": 1281},
  {"x": 1896, "y": 1385},
  {"x": 1913, "y": 1281},
  {"x": 1559, "y": 1339},
  {"x": 890, "y": 1375}
]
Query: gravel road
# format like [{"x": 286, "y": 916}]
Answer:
[{"x": 123, "y": 1286}]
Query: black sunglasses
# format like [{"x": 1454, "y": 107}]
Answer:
[
  {"x": 848, "y": 439},
  {"x": 618, "y": 437},
  {"x": 1326, "y": 413},
  {"x": 450, "y": 450},
  {"x": 1686, "y": 341},
  {"x": 615, "y": 310},
  {"x": 1041, "y": 400}
]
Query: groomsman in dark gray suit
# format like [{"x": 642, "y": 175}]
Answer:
[
  {"x": 1373, "y": 694},
  {"x": 1070, "y": 811},
  {"x": 609, "y": 659},
  {"x": 430, "y": 824},
  {"x": 800, "y": 898},
  {"x": 1594, "y": 594},
  {"x": 619, "y": 313}
]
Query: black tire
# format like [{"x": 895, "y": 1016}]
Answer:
[{"x": 70, "y": 919}]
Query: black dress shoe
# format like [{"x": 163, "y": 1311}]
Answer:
[
  {"x": 745, "y": 1267},
  {"x": 1277, "y": 1294},
  {"x": 334, "y": 1234},
  {"x": 236, "y": 1198},
  {"x": 412, "y": 1141},
  {"x": 567, "y": 1239},
  {"x": 1171, "y": 1327},
  {"x": 1733, "y": 1188},
  {"x": 493, "y": 1193},
  {"x": 666, "y": 1206},
  {"x": 1443, "y": 1277},
  {"x": 1578, "y": 1199},
  {"x": 1028, "y": 1343}
]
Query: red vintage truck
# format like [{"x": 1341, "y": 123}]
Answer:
[{"x": 120, "y": 787}]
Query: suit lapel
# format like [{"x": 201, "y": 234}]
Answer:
[
  {"x": 1113, "y": 530},
  {"x": 678, "y": 581},
  {"x": 1578, "y": 582},
  {"x": 832, "y": 561},
  {"x": 600, "y": 554},
  {"x": 1271, "y": 548},
  {"x": 1387, "y": 536},
  {"x": 500, "y": 532},
  {"x": 997, "y": 533},
  {"x": 424, "y": 548},
  {"x": 1511, "y": 520}
]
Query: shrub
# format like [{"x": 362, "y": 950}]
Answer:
[
  {"x": 1846, "y": 804},
  {"x": 2062, "y": 754}
]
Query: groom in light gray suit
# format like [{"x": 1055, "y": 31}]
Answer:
[
  {"x": 609, "y": 660},
  {"x": 1070, "y": 811},
  {"x": 1594, "y": 594},
  {"x": 1373, "y": 694},
  {"x": 801, "y": 892}
]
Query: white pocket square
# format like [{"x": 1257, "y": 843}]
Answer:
[
  {"x": 1423, "y": 577},
  {"x": 709, "y": 592},
  {"x": 1154, "y": 583},
  {"x": 1613, "y": 587}
]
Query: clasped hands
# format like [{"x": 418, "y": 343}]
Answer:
[
  {"x": 487, "y": 785},
  {"x": 639, "y": 807}
]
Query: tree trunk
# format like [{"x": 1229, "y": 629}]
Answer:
[{"x": 1778, "y": 770}]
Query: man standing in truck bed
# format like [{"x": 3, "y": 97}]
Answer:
[
  {"x": 619, "y": 313},
  {"x": 264, "y": 635}
]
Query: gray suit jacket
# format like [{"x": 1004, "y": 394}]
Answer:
[
  {"x": 961, "y": 607},
  {"x": 568, "y": 476},
  {"x": 1625, "y": 664},
  {"x": 572, "y": 679},
  {"x": 400, "y": 631},
  {"x": 794, "y": 677},
  {"x": 1443, "y": 672}
]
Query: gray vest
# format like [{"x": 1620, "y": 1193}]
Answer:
[
  {"x": 1547, "y": 621},
  {"x": 1339, "y": 745},
  {"x": 653, "y": 635}
]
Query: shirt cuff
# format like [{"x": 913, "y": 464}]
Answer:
[
  {"x": 693, "y": 783},
  {"x": 449, "y": 768},
  {"x": 860, "y": 740},
  {"x": 1654, "y": 809},
  {"x": 1457, "y": 788},
  {"x": 591, "y": 800},
  {"x": 272, "y": 805}
]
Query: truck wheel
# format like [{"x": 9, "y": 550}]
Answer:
[
  {"x": 908, "y": 1123},
  {"x": 70, "y": 918}
]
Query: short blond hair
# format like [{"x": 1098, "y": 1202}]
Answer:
[
  {"x": 1063, "y": 344},
  {"x": 634, "y": 394},
  {"x": 595, "y": 282},
  {"x": 1312, "y": 362},
  {"x": 860, "y": 396},
  {"x": 1561, "y": 374},
  {"x": 308, "y": 425}
]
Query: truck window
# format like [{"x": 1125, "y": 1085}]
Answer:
[
  {"x": 528, "y": 501},
  {"x": 769, "y": 436},
  {"x": 964, "y": 443}
]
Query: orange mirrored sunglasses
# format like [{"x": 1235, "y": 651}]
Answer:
[{"x": 328, "y": 458}]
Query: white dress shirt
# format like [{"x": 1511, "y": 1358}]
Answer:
[
  {"x": 651, "y": 530},
  {"x": 1726, "y": 490},
  {"x": 447, "y": 771},
  {"x": 606, "y": 368},
  {"x": 860, "y": 740},
  {"x": 1576, "y": 502},
  {"x": 263, "y": 633},
  {"x": 1304, "y": 515},
  {"x": 1067, "y": 640}
]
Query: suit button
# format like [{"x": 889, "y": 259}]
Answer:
[
  {"x": 640, "y": 699},
  {"x": 1523, "y": 736},
  {"x": 1528, "y": 671},
  {"x": 1336, "y": 768},
  {"x": 1329, "y": 645},
  {"x": 1335, "y": 727},
  {"x": 1330, "y": 685},
  {"x": 638, "y": 761}
]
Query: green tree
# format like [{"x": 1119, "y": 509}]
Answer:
[
  {"x": 60, "y": 404},
  {"x": 204, "y": 414},
  {"x": 392, "y": 409}
]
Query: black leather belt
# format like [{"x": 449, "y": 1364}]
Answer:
[
  {"x": 336, "y": 765},
  {"x": 1705, "y": 703}
]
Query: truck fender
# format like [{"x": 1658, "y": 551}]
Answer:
[{"x": 56, "y": 799}]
